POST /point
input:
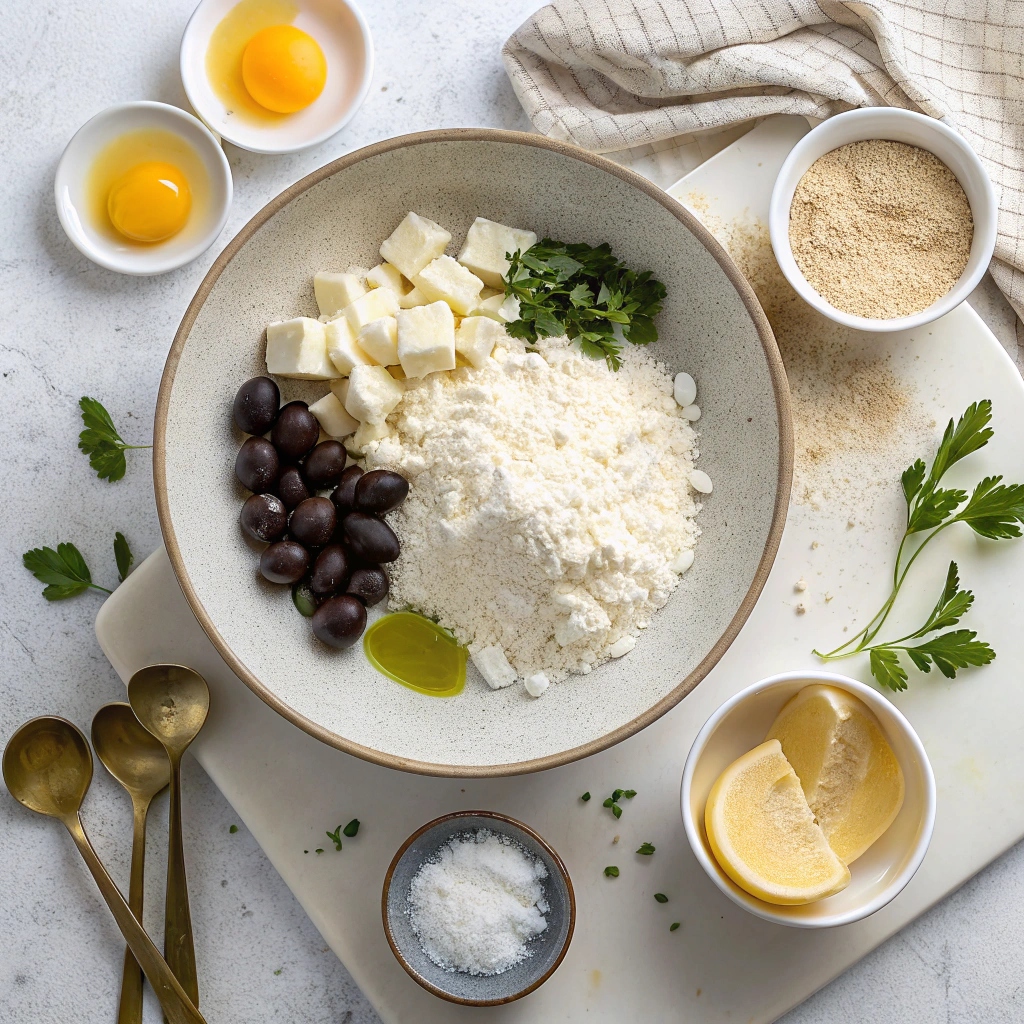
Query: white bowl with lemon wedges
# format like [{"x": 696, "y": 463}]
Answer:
[
  {"x": 886, "y": 124},
  {"x": 809, "y": 800},
  {"x": 143, "y": 188},
  {"x": 276, "y": 76}
]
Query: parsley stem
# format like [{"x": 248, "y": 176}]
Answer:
[{"x": 96, "y": 586}]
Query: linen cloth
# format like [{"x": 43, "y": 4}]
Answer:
[{"x": 647, "y": 81}]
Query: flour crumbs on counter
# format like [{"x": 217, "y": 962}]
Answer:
[{"x": 476, "y": 906}]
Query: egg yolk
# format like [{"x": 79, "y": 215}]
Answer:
[
  {"x": 149, "y": 202},
  {"x": 283, "y": 69}
]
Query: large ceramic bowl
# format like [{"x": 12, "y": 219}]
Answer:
[{"x": 711, "y": 326}]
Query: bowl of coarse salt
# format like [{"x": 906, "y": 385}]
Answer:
[
  {"x": 883, "y": 219},
  {"x": 478, "y": 908}
]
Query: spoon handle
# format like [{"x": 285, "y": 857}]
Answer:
[
  {"x": 129, "y": 1010},
  {"x": 178, "y": 944},
  {"x": 175, "y": 1003}
]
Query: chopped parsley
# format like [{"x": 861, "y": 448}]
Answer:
[
  {"x": 233, "y": 829},
  {"x": 586, "y": 796},
  {"x": 661, "y": 897},
  {"x": 646, "y": 849},
  {"x": 611, "y": 871}
]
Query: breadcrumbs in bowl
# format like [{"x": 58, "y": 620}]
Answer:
[{"x": 883, "y": 219}]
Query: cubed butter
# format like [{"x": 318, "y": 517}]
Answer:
[
  {"x": 379, "y": 340},
  {"x": 372, "y": 393},
  {"x": 447, "y": 280},
  {"x": 298, "y": 348},
  {"x": 336, "y": 291},
  {"x": 414, "y": 243},
  {"x": 333, "y": 416},
  {"x": 412, "y": 298},
  {"x": 426, "y": 339},
  {"x": 485, "y": 248},
  {"x": 386, "y": 276},
  {"x": 476, "y": 338},
  {"x": 342, "y": 346},
  {"x": 492, "y": 664},
  {"x": 498, "y": 308},
  {"x": 371, "y": 306}
]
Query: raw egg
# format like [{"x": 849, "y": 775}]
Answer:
[
  {"x": 147, "y": 186},
  {"x": 262, "y": 67},
  {"x": 283, "y": 69},
  {"x": 149, "y": 202}
]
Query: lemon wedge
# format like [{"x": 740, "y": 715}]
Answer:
[
  {"x": 764, "y": 835},
  {"x": 849, "y": 774}
]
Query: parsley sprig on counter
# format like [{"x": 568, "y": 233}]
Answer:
[
  {"x": 585, "y": 293},
  {"x": 993, "y": 510},
  {"x": 101, "y": 441},
  {"x": 65, "y": 572}
]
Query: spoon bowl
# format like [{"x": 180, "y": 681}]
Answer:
[
  {"x": 47, "y": 766},
  {"x": 131, "y": 754},
  {"x": 172, "y": 702}
]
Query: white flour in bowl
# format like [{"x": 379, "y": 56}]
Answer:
[{"x": 550, "y": 512}]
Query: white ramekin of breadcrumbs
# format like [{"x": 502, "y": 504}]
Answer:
[{"x": 883, "y": 219}]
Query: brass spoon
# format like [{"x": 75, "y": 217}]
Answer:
[
  {"x": 140, "y": 764},
  {"x": 172, "y": 702},
  {"x": 48, "y": 767}
]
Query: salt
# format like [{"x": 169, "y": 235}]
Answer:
[{"x": 477, "y": 905}]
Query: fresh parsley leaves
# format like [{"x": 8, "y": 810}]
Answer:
[
  {"x": 611, "y": 871},
  {"x": 349, "y": 832},
  {"x": 646, "y": 849},
  {"x": 585, "y": 293},
  {"x": 661, "y": 897},
  {"x": 65, "y": 572},
  {"x": 993, "y": 510},
  {"x": 101, "y": 441},
  {"x": 612, "y": 802}
]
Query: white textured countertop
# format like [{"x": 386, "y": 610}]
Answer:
[{"x": 68, "y": 328}]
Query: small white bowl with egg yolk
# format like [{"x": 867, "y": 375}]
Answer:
[
  {"x": 143, "y": 188},
  {"x": 276, "y": 76}
]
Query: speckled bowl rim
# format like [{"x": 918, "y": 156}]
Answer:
[
  {"x": 543, "y": 843},
  {"x": 780, "y": 388}
]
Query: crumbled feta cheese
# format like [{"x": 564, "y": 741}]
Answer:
[
  {"x": 342, "y": 347},
  {"x": 426, "y": 339},
  {"x": 335, "y": 291},
  {"x": 446, "y": 280},
  {"x": 379, "y": 340},
  {"x": 476, "y": 337},
  {"x": 684, "y": 389},
  {"x": 682, "y": 561},
  {"x": 485, "y": 248},
  {"x": 536, "y": 684},
  {"x": 333, "y": 416},
  {"x": 492, "y": 664},
  {"x": 372, "y": 393},
  {"x": 622, "y": 646},
  {"x": 367, "y": 434},
  {"x": 298, "y": 348},
  {"x": 414, "y": 243}
]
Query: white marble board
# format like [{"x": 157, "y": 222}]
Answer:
[{"x": 721, "y": 964}]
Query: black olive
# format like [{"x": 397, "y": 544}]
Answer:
[
  {"x": 369, "y": 539},
  {"x": 339, "y": 621},
  {"x": 291, "y": 487},
  {"x": 295, "y": 432},
  {"x": 344, "y": 496},
  {"x": 380, "y": 491},
  {"x": 263, "y": 517},
  {"x": 324, "y": 464},
  {"x": 257, "y": 464},
  {"x": 304, "y": 599},
  {"x": 370, "y": 584},
  {"x": 330, "y": 570},
  {"x": 313, "y": 522},
  {"x": 284, "y": 562},
  {"x": 256, "y": 405}
]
